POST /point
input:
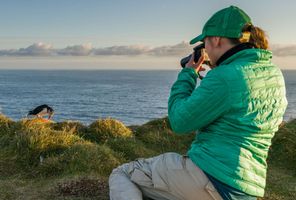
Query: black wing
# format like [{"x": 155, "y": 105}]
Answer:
[{"x": 38, "y": 109}]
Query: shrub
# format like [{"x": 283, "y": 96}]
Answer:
[
  {"x": 158, "y": 135},
  {"x": 5, "y": 125},
  {"x": 130, "y": 148},
  {"x": 32, "y": 140},
  {"x": 104, "y": 129},
  {"x": 81, "y": 158},
  {"x": 72, "y": 127},
  {"x": 283, "y": 148}
]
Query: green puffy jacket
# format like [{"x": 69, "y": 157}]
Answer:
[{"x": 235, "y": 110}]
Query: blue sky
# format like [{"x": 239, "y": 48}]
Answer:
[{"x": 86, "y": 24}]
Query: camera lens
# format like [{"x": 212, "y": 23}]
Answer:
[
  {"x": 185, "y": 60},
  {"x": 197, "y": 55}
]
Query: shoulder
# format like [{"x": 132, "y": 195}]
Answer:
[
  {"x": 215, "y": 81},
  {"x": 220, "y": 73}
]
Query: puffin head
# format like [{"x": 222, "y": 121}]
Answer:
[{"x": 50, "y": 112}]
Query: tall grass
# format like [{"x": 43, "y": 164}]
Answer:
[
  {"x": 49, "y": 149},
  {"x": 32, "y": 150},
  {"x": 283, "y": 150}
]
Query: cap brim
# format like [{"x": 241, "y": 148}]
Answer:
[{"x": 197, "y": 39}]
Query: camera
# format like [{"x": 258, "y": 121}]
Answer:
[{"x": 197, "y": 54}]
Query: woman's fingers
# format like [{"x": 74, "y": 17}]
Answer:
[
  {"x": 202, "y": 69},
  {"x": 191, "y": 61},
  {"x": 198, "y": 66}
]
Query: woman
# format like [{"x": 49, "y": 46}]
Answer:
[{"x": 235, "y": 112}]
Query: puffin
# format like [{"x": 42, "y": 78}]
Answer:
[{"x": 41, "y": 111}]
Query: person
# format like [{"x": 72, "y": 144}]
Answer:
[{"x": 235, "y": 112}]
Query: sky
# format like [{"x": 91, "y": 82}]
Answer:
[{"x": 120, "y": 34}]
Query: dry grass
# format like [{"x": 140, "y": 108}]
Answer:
[{"x": 68, "y": 160}]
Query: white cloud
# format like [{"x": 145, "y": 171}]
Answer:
[
  {"x": 37, "y": 49},
  {"x": 40, "y": 49},
  {"x": 181, "y": 49},
  {"x": 122, "y": 50},
  {"x": 284, "y": 50},
  {"x": 76, "y": 50}
]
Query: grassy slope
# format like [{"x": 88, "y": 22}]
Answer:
[{"x": 68, "y": 160}]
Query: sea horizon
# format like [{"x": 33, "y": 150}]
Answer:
[{"x": 131, "y": 96}]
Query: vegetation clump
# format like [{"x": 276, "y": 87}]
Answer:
[
  {"x": 69, "y": 160},
  {"x": 104, "y": 129}
]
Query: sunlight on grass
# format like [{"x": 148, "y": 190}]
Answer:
[{"x": 68, "y": 160}]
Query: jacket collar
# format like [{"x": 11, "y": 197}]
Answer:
[
  {"x": 245, "y": 53},
  {"x": 233, "y": 51}
]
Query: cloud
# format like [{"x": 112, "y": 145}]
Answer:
[
  {"x": 41, "y": 49},
  {"x": 37, "y": 49},
  {"x": 122, "y": 50},
  {"x": 181, "y": 49},
  {"x": 174, "y": 50},
  {"x": 76, "y": 50},
  {"x": 284, "y": 50}
]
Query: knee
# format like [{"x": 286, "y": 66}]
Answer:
[{"x": 122, "y": 169}]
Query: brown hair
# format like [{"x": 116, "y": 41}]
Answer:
[{"x": 253, "y": 35}]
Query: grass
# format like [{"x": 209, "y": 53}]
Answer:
[{"x": 68, "y": 160}]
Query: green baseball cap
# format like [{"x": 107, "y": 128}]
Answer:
[{"x": 227, "y": 22}]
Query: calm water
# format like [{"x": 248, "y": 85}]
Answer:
[{"x": 133, "y": 97}]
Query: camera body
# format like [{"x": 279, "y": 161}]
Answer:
[{"x": 197, "y": 54}]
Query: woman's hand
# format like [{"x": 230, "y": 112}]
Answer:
[{"x": 197, "y": 66}]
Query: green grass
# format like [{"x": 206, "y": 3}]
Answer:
[
  {"x": 68, "y": 160},
  {"x": 281, "y": 175}
]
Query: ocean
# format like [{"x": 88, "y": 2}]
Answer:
[{"x": 133, "y": 97}]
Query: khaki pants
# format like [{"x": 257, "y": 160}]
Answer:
[{"x": 168, "y": 176}]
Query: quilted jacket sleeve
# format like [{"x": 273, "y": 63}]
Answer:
[{"x": 191, "y": 108}]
